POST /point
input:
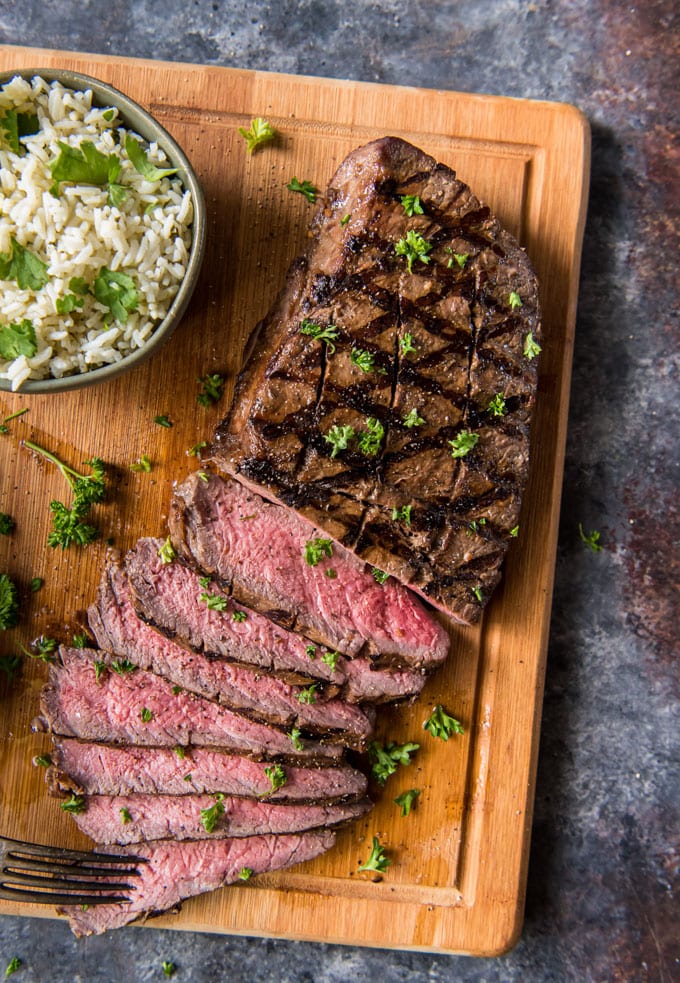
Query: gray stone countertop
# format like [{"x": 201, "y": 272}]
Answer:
[{"x": 604, "y": 857}]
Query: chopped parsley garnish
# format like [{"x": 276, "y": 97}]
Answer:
[
  {"x": 406, "y": 800},
  {"x": 117, "y": 292},
  {"x": 385, "y": 760},
  {"x": 210, "y": 815},
  {"x": 7, "y": 524},
  {"x": 277, "y": 777},
  {"x": 176, "y": 690},
  {"x": 22, "y": 265},
  {"x": 203, "y": 475},
  {"x": 163, "y": 421},
  {"x": 305, "y": 188},
  {"x": 514, "y": 300},
  {"x": 327, "y": 333},
  {"x": 99, "y": 669},
  {"x": 316, "y": 550},
  {"x": 330, "y": 659},
  {"x": 411, "y": 205},
  {"x": 497, "y": 406},
  {"x": 142, "y": 164},
  {"x": 339, "y": 437},
  {"x": 514, "y": 532},
  {"x": 294, "y": 735},
  {"x": 212, "y": 387},
  {"x": 377, "y": 859},
  {"x": 204, "y": 582},
  {"x": 460, "y": 258},
  {"x": 406, "y": 344},
  {"x": 260, "y": 132},
  {"x": 238, "y": 616},
  {"x": 125, "y": 816},
  {"x": 68, "y": 525},
  {"x": 214, "y": 602},
  {"x": 413, "y": 247},
  {"x": 13, "y": 965},
  {"x": 308, "y": 695},
  {"x": 379, "y": 575},
  {"x": 42, "y": 760},
  {"x": 17, "y": 125},
  {"x": 36, "y": 584},
  {"x": 403, "y": 514},
  {"x": 80, "y": 641},
  {"x": 18, "y": 339},
  {"x": 363, "y": 359},
  {"x": 591, "y": 539},
  {"x": 180, "y": 752},
  {"x": 9, "y": 602},
  {"x": 331, "y": 573},
  {"x": 167, "y": 552},
  {"x": 146, "y": 715},
  {"x": 477, "y": 591},
  {"x": 531, "y": 348},
  {"x": 413, "y": 419},
  {"x": 462, "y": 443},
  {"x": 441, "y": 725},
  {"x": 122, "y": 666},
  {"x": 195, "y": 451},
  {"x": 345, "y": 219},
  {"x": 142, "y": 463},
  {"x": 169, "y": 968},
  {"x": 245, "y": 873},
  {"x": 370, "y": 439},
  {"x": 74, "y": 805},
  {"x": 311, "y": 651}
]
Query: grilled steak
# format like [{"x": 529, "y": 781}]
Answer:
[
  {"x": 388, "y": 394},
  {"x": 101, "y": 769},
  {"x": 165, "y": 595},
  {"x": 118, "y": 629},
  {"x": 260, "y": 549},
  {"x": 143, "y": 709},
  {"x": 181, "y": 869},
  {"x": 140, "y": 818}
]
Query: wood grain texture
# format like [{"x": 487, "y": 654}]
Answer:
[{"x": 457, "y": 879}]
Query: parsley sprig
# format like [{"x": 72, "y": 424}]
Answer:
[
  {"x": 441, "y": 725},
  {"x": 591, "y": 539},
  {"x": 406, "y": 800},
  {"x": 305, "y": 188},
  {"x": 384, "y": 760},
  {"x": 260, "y": 132},
  {"x": 212, "y": 387},
  {"x": 316, "y": 550},
  {"x": 68, "y": 525},
  {"x": 413, "y": 246},
  {"x": 210, "y": 816},
  {"x": 377, "y": 859},
  {"x": 327, "y": 333},
  {"x": 462, "y": 443}
]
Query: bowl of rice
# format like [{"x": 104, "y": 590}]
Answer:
[{"x": 102, "y": 232}]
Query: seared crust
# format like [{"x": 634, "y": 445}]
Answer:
[{"x": 466, "y": 312}]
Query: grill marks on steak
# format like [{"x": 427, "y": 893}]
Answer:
[
  {"x": 468, "y": 337},
  {"x": 142, "y": 818},
  {"x": 143, "y": 709},
  {"x": 118, "y": 629},
  {"x": 176, "y": 870},
  {"x": 259, "y": 549},
  {"x": 102, "y": 769}
]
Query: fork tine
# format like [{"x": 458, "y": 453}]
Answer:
[
  {"x": 75, "y": 884},
  {"x": 76, "y": 870},
  {"x": 8, "y": 893},
  {"x": 19, "y": 849}
]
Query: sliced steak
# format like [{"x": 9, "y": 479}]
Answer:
[
  {"x": 165, "y": 596},
  {"x": 102, "y": 769},
  {"x": 259, "y": 548},
  {"x": 118, "y": 629},
  {"x": 143, "y": 709},
  {"x": 176, "y": 870},
  {"x": 410, "y": 423},
  {"x": 141, "y": 818}
]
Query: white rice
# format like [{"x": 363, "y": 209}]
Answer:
[{"x": 148, "y": 236}]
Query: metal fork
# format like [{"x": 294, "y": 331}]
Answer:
[{"x": 52, "y": 875}]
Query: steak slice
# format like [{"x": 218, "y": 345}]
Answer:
[
  {"x": 140, "y": 818},
  {"x": 411, "y": 421},
  {"x": 118, "y": 629},
  {"x": 176, "y": 870},
  {"x": 165, "y": 596},
  {"x": 143, "y": 709},
  {"x": 102, "y": 769},
  {"x": 259, "y": 548}
]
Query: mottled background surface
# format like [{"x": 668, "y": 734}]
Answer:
[{"x": 604, "y": 861}]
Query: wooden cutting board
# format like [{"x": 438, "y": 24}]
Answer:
[{"x": 457, "y": 879}]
